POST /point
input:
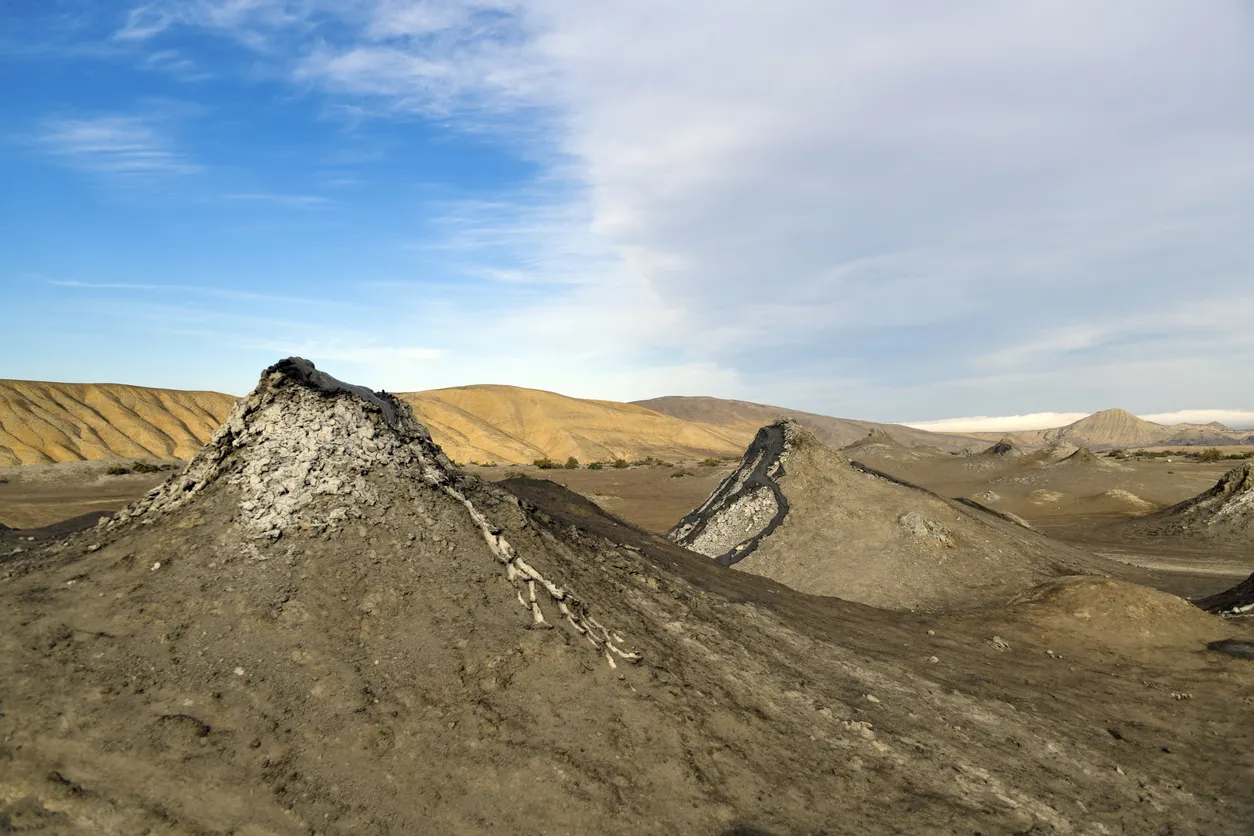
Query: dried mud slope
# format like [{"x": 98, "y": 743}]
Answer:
[
  {"x": 43, "y": 423},
  {"x": 320, "y": 626},
  {"x": 1222, "y": 515},
  {"x": 802, "y": 514}
]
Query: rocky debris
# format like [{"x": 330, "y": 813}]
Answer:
[
  {"x": 802, "y": 514},
  {"x": 926, "y": 531}
]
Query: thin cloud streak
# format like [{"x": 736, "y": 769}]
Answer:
[{"x": 118, "y": 146}]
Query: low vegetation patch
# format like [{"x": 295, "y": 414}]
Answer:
[
  {"x": 709, "y": 462},
  {"x": 595, "y": 465},
  {"x": 619, "y": 464},
  {"x": 117, "y": 470},
  {"x": 679, "y": 472},
  {"x": 545, "y": 464},
  {"x": 515, "y": 474},
  {"x": 572, "y": 463}
]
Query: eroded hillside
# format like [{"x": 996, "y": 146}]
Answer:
[{"x": 43, "y": 423}]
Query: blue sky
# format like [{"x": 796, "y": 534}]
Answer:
[{"x": 899, "y": 211}]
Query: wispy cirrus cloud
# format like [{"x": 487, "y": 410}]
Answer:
[
  {"x": 124, "y": 147},
  {"x": 242, "y": 19},
  {"x": 291, "y": 201}
]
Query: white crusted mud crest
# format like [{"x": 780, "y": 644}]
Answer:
[
  {"x": 298, "y": 449},
  {"x": 748, "y": 505}
]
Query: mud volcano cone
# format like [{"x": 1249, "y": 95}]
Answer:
[
  {"x": 802, "y": 514},
  {"x": 1222, "y": 515},
  {"x": 322, "y": 627}
]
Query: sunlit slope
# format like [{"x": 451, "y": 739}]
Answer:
[
  {"x": 42, "y": 423},
  {"x": 511, "y": 424}
]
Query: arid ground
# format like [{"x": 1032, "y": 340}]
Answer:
[{"x": 1073, "y": 505}]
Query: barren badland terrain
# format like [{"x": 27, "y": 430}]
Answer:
[{"x": 296, "y": 612}]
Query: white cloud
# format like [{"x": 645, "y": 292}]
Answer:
[
  {"x": 1237, "y": 418},
  {"x": 973, "y": 206},
  {"x": 119, "y": 146},
  {"x": 1006, "y": 423}
]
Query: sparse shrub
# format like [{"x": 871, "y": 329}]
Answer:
[
  {"x": 118, "y": 470},
  {"x": 572, "y": 463},
  {"x": 595, "y": 465},
  {"x": 4, "y": 480},
  {"x": 619, "y": 464},
  {"x": 145, "y": 467},
  {"x": 545, "y": 464},
  {"x": 487, "y": 464},
  {"x": 1238, "y": 456},
  {"x": 680, "y": 472},
  {"x": 515, "y": 474},
  {"x": 1210, "y": 454},
  {"x": 709, "y": 462},
  {"x": 1117, "y": 454}
]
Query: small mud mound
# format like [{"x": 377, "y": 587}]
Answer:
[
  {"x": 1058, "y": 451},
  {"x": 1084, "y": 459},
  {"x": 1223, "y": 514},
  {"x": 804, "y": 515},
  {"x": 1116, "y": 613},
  {"x": 880, "y": 445},
  {"x": 987, "y": 497},
  {"x": 1042, "y": 495},
  {"x": 1239, "y": 600},
  {"x": 1006, "y": 448},
  {"x": 1116, "y": 501}
]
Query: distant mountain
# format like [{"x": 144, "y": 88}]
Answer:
[
  {"x": 834, "y": 432},
  {"x": 1115, "y": 428}
]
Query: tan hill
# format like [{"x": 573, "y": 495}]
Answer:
[
  {"x": 800, "y": 513},
  {"x": 512, "y": 424},
  {"x": 1118, "y": 428},
  {"x": 321, "y": 626},
  {"x": 835, "y": 432},
  {"x": 42, "y": 423}
]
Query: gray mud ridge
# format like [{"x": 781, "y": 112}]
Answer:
[{"x": 749, "y": 495}]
